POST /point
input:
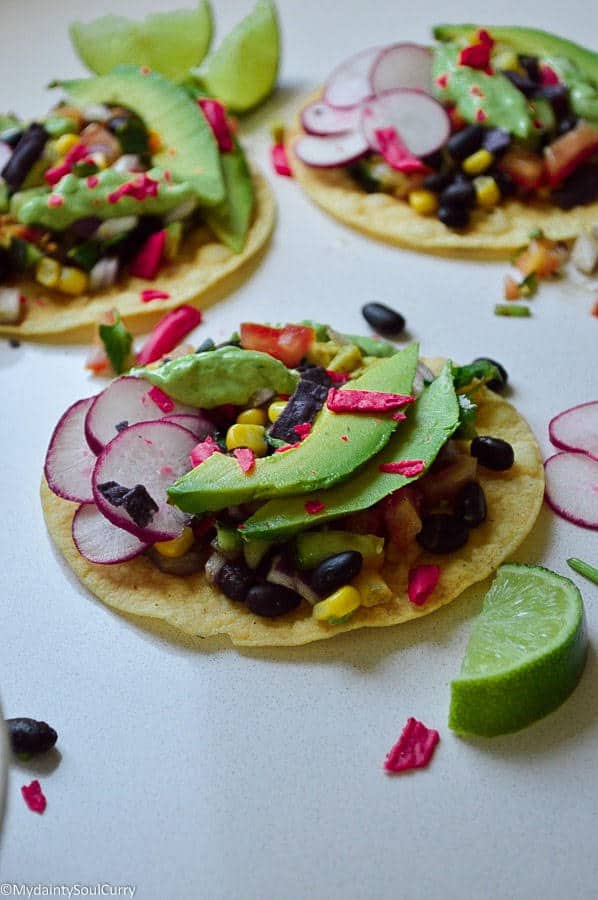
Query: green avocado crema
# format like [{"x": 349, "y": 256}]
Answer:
[
  {"x": 73, "y": 199},
  {"x": 337, "y": 445},
  {"x": 431, "y": 422},
  {"x": 216, "y": 377}
]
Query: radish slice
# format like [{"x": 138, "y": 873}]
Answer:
[
  {"x": 577, "y": 429},
  {"x": 126, "y": 401},
  {"x": 572, "y": 487},
  {"x": 149, "y": 455},
  {"x": 101, "y": 542},
  {"x": 350, "y": 82},
  {"x": 69, "y": 461},
  {"x": 197, "y": 425},
  {"x": 419, "y": 120},
  {"x": 320, "y": 118},
  {"x": 330, "y": 151},
  {"x": 403, "y": 66}
]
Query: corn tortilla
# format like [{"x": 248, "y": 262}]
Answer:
[
  {"x": 204, "y": 270},
  {"x": 193, "y": 606}
]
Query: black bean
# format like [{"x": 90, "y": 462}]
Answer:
[
  {"x": 26, "y": 153},
  {"x": 383, "y": 319},
  {"x": 206, "y": 346},
  {"x": 495, "y": 384},
  {"x": 578, "y": 189},
  {"x": 493, "y": 453},
  {"x": 461, "y": 193},
  {"x": 433, "y": 160},
  {"x": 506, "y": 185},
  {"x": 11, "y": 136},
  {"x": 235, "y": 579},
  {"x": 496, "y": 140},
  {"x": 531, "y": 64},
  {"x": 442, "y": 533},
  {"x": 465, "y": 142},
  {"x": 438, "y": 181},
  {"x": 336, "y": 571},
  {"x": 470, "y": 504},
  {"x": 453, "y": 216},
  {"x": 527, "y": 87},
  {"x": 566, "y": 124},
  {"x": 14, "y": 343},
  {"x": 272, "y": 600},
  {"x": 30, "y": 736},
  {"x": 558, "y": 96}
]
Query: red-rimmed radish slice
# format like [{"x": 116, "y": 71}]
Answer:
[
  {"x": 419, "y": 120},
  {"x": 99, "y": 541},
  {"x": 576, "y": 429},
  {"x": 152, "y": 455},
  {"x": 320, "y": 118},
  {"x": 333, "y": 150},
  {"x": 125, "y": 402},
  {"x": 69, "y": 460},
  {"x": 572, "y": 487},
  {"x": 197, "y": 425},
  {"x": 350, "y": 83},
  {"x": 403, "y": 66}
]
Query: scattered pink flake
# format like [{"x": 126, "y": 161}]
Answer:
[
  {"x": 421, "y": 581},
  {"x": 92, "y": 181},
  {"x": 548, "y": 75},
  {"x": 399, "y": 416},
  {"x": 396, "y": 153},
  {"x": 168, "y": 176},
  {"x": 166, "y": 470},
  {"x": 22, "y": 299},
  {"x": 302, "y": 430},
  {"x": 245, "y": 458},
  {"x": 476, "y": 56},
  {"x": 364, "y": 401},
  {"x": 34, "y": 797},
  {"x": 476, "y": 91},
  {"x": 145, "y": 70},
  {"x": 313, "y": 506},
  {"x": 406, "y": 467},
  {"x": 414, "y": 748},
  {"x": 204, "y": 450},
  {"x": 484, "y": 37},
  {"x": 286, "y": 447},
  {"x": 162, "y": 400},
  {"x": 481, "y": 115},
  {"x": 55, "y": 200},
  {"x": 337, "y": 377},
  {"x": 75, "y": 155},
  {"x": 345, "y": 438},
  {"x": 139, "y": 187},
  {"x": 595, "y": 309},
  {"x": 151, "y": 294},
  {"x": 442, "y": 80},
  {"x": 280, "y": 161},
  {"x": 215, "y": 114}
]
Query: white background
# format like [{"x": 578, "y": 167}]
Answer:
[{"x": 196, "y": 770}]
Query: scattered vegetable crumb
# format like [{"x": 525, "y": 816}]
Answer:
[
  {"x": 421, "y": 582},
  {"x": 584, "y": 568},
  {"x": 34, "y": 797},
  {"x": 406, "y": 467},
  {"x": 151, "y": 294},
  {"x": 414, "y": 748}
]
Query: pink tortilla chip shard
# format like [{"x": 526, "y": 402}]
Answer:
[
  {"x": 245, "y": 458},
  {"x": 364, "y": 401},
  {"x": 414, "y": 748},
  {"x": 204, "y": 450},
  {"x": 406, "y": 467},
  {"x": 421, "y": 581},
  {"x": 34, "y": 797}
]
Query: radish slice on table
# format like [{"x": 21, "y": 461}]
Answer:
[
  {"x": 99, "y": 541},
  {"x": 350, "y": 83},
  {"x": 197, "y": 425},
  {"x": 577, "y": 429},
  {"x": 333, "y": 150},
  {"x": 572, "y": 487},
  {"x": 131, "y": 476},
  {"x": 419, "y": 120},
  {"x": 69, "y": 460},
  {"x": 403, "y": 66},
  {"x": 125, "y": 402},
  {"x": 320, "y": 118}
]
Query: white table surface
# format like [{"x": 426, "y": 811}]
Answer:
[{"x": 196, "y": 770}]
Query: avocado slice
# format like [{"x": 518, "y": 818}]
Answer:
[
  {"x": 230, "y": 220},
  {"x": 434, "y": 418},
  {"x": 189, "y": 151},
  {"x": 322, "y": 459},
  {"x": 216, "y": 377}
]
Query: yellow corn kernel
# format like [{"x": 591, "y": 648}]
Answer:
[
  {"x": 478, "y": 162},
  {"x": 347, "y": 359},
  {"x": 275, "y": 409},
  {"x": 72, "y": 281},
  {"x": 423, "y": 202},
  {"x": 372, "y": 588},
  {"x": 251, "y": 436},
  {"x": 321, "y": 353},
  {"x": 487, "y": 191},
  {"x": 507, "y": 59},
  {"x": 178, "y": 546},
  {"x": 154, "y": 141},
  {"x": 47, "y": 272},
  {"x": 100, "y": 160},
  {"x": 252, "y": 417},
  {"x": 64, "y": 143},
  {"x": 343, "y": 602}
]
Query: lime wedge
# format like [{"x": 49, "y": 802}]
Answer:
[
  {"x": 525, "y": 654},
  {"x": 242, "y": 71},
  {"x": 171, "y": 43}
]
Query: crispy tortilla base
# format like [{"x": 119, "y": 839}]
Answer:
[
  {"x": 195, "y": 607},
  {"x": 203, "y": 272},
  {"x": 494, "y": 234}
]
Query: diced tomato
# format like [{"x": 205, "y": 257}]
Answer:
[
  {"x": 568, "y": 151},
  {"x": 288, "y": 344},
  {"x": 97, "y": 361},
  {"x": 541, "y": 258},
  {"x": 511, "y": 288},
  {"x": 401, "y": 519},
  {"x": 447, "y": 482},
  {"x": 525, "y": 168}
]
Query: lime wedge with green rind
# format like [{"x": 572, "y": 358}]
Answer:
[
  {"x": 170, "y": 43},
  {"x": 242, "y": 71},
  {"x": 525, "y": 654}
]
